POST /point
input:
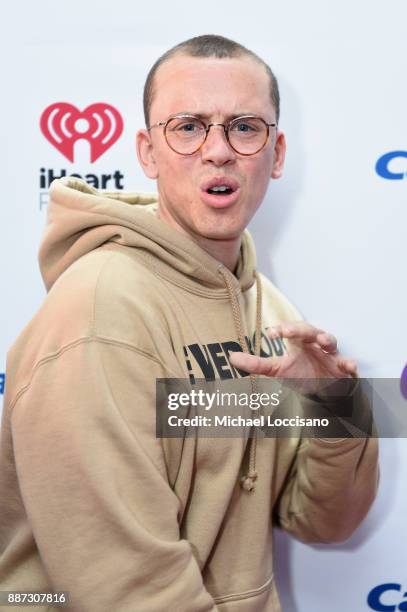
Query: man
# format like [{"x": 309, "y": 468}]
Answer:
[{"x": 93, "y": 502}]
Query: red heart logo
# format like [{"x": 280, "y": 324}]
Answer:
[{"x": 101, "y": 126}]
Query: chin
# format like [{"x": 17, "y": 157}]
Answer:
[{"x": 219, "y": 232}]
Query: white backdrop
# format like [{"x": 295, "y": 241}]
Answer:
[{"x": 331, "y": 233}]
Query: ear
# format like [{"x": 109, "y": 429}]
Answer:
[
  {"x": 145, "y": 153},
  {"x": 278, "y": 156}
]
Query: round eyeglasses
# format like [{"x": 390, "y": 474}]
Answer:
[{"x": 185, "y": 134}]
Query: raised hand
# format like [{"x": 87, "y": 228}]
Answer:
[{"x": 313, "y": 353}]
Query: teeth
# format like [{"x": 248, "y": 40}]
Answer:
[{"x": 220, "y": 188}]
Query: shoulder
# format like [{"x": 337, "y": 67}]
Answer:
[
  {"x": 105, "y": 293},
  {"x": 104, "y": 290}
]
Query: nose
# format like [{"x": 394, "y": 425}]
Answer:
[{"x": 216, "y": 148}]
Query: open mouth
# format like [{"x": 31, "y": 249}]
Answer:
[{"x": 220, "y": 190}]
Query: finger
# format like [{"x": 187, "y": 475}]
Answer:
[
  {"x": 274, "y": 331},
  {"x": 296, "y": 330},
  {"x": 327, "y": 342},
  {"x": 349, "y": 366},
  {"x": 335, "y": 361},
  {"x": 253, "y": 364}
]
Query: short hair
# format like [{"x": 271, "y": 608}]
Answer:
[{"x": 207, "y": 45}]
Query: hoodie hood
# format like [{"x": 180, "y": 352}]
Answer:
[{"x": 82, "y": 218}]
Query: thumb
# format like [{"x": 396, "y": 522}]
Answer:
[{"x": 253, "y": 364}]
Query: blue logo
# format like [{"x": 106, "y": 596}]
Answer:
[
  {"x": 2, "y": 381},
  {"x": 375, "y": 599},
  {"x": 382, "y": 166}
]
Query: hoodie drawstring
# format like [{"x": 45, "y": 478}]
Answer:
[{"x": 247, "y": 482}]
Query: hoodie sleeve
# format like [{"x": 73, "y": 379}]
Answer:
[
  {"x": 94, "y": 483},
  {"x": 332, "y": 484}
]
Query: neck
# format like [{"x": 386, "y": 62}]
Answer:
[{"x": 225, "y": 251}]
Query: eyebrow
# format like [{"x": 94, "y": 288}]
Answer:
[{"x": 228, "y": 117}]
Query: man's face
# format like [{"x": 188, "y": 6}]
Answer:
[{"x": 216, "y": 89}]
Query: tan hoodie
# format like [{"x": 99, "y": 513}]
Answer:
[{"x": 91, "y": 501}]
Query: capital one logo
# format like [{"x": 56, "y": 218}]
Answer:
[
  {"x": 63, "y": 124},
  {"x": 387, "y": 597},
  {"x": 383, "y": 169}
]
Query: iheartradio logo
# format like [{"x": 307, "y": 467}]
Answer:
[{"x": 63, "y": 124}]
